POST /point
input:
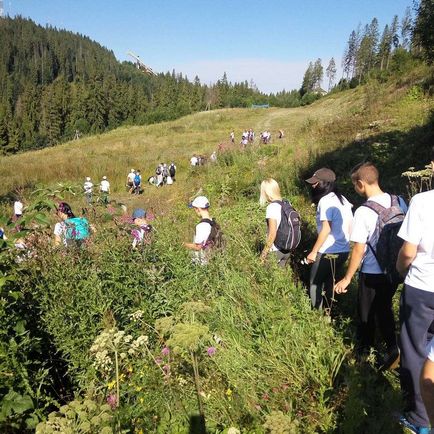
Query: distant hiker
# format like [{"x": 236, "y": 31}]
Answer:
[
  {"x": 70, "y": 231},
  {"x": 266, "y": 137},
  {"x": 165, "y": 172},
  {"x": 283, "y": 223},
  {"x": 251, "y": 135},
  {"x": 194, "y": 161},
  {"x": 18, "y": 209},
  {"x": 333, "y": 223},
  {"x": 207, "y": 234},
  {"x": 88, "y": 190},
  {"x": 381, "y": 214},
  {"x": 416, "y": 263},
  {"x": 104, "y": 188},
  {"x": 213, "y": 157},
  {"x": 172, "y": 170},
  {"x": 130, "y": 181},
  {"x": 281, "y": 134},
  {"x": 140, "y": 234},
  {"x": 232, "y": 137},
  {"x": 137, "y": 183},
  {"x": 244, "y": 142},
  {"x": 152, "y": 180},
  {"x": 159, "y": 175}
]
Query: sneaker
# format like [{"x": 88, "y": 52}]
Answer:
[
  {"x": 390, "y": 360},
  {"x": 413, "y": 428}
]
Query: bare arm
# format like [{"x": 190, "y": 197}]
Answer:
[
  {"x": 405, "y": 257},
  {"x": 272, "y": 231},
  {"x": 355, "y": 260},
  {"x": 322, "y": 236},
  {"x": 193, "y": 246}
]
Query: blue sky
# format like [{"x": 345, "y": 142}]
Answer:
[{"x": 269, "y": 41}]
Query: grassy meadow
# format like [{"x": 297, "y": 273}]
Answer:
[{"x": 168, "y": 344}]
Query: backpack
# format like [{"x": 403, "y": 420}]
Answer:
[
  {"x": 215, "y": 239},
  {"x": 158, "y": 171},
  {"x": 288, "y": 234},
  {"x": 384, "y": 242},
  {"x": 77, "y": 230},
  {"x": 172, "y": 170},
  {"x": 137, "y": 180}
]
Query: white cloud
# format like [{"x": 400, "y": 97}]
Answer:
[{"x": 268, "y": 75}]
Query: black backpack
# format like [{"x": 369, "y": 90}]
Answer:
[
  {"x": 215, "y": 239},
  {"x": 288, "y": 234},
  {"x": 384, "y": 242},
  {"x": 172, "y": 170}
]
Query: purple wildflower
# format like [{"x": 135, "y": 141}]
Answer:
[
  {"x": 165, "y": 351},
  {"x": 166, "y": 369},
  {"x": 158, "y": 360},
  {"x": 112, "y": 401},
  {"x": 211, "y": 351}
]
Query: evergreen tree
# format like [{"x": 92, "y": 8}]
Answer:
[
  {"x": 350, "y": 55},
  {"x": 331, "y": 72},
  {"x": 423, "y": 33},
  {"x": 406, "y": 28}
]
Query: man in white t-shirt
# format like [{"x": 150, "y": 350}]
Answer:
[
  {"x": 88, "y": 189},
  {"x": 375, "y": 290},
  {"x": 416, "y": 261},
  {"x": 105, "y": 190},
  {"x": 203, "y": 230},
  {"x": 130, "y": 181},
  {"x": 18, "y": 208}
]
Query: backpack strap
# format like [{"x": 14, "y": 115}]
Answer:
[
  {"x": 211, "y": 222},
  {"x": 375, "y": 206}
]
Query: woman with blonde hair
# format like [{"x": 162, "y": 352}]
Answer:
[{"x": 270, "y": 194}]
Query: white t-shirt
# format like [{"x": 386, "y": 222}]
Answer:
[
  {"x": 131, "y": 177},
  {"x": 18, "y": 207},
  {"x": 418, "y": 228},
  {"x": 59, "y": 230},
  {"x": 88, "y": 186},
  {"x": 105, "y": 186},
  {"x": 274, "y": 211},
  {"x": 194, "y": 161},
  {"x": 201, "y": 235},
  {"x": 340, "y": 215},
  {"x": 364, "y": 223}
]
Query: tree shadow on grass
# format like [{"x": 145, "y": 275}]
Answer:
[{"x": 393, "y": 152}]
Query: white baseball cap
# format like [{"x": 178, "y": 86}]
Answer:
[
  {"x": 104, "y": 177},
  {"x": 200, "y": 202},
  {"x": 87, "y": 178}
]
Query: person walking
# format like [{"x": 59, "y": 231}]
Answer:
[
  {"x": 130, "y": 181},
  {"x": 333, "y": 222},
  {"x": 202, "y": 232},
  {"x": 88, "y": 190},
  {"x": 376, "y": 290},
  {"x": 416, "y": 263},
  {"x": 104, "y": 188},
  {"x": 270, "y": 195}
]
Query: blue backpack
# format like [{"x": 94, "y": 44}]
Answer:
[
  {"x": 77, "y": 230},
  {"x": 137, "y": 180}
]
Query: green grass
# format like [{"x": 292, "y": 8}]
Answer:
[{"x": 276, "y": 354}]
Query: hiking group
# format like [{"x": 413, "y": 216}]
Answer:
[{"x": 391, "y": 244}]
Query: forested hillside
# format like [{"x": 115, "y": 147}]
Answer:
[{"x": 54, "y": 83}]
